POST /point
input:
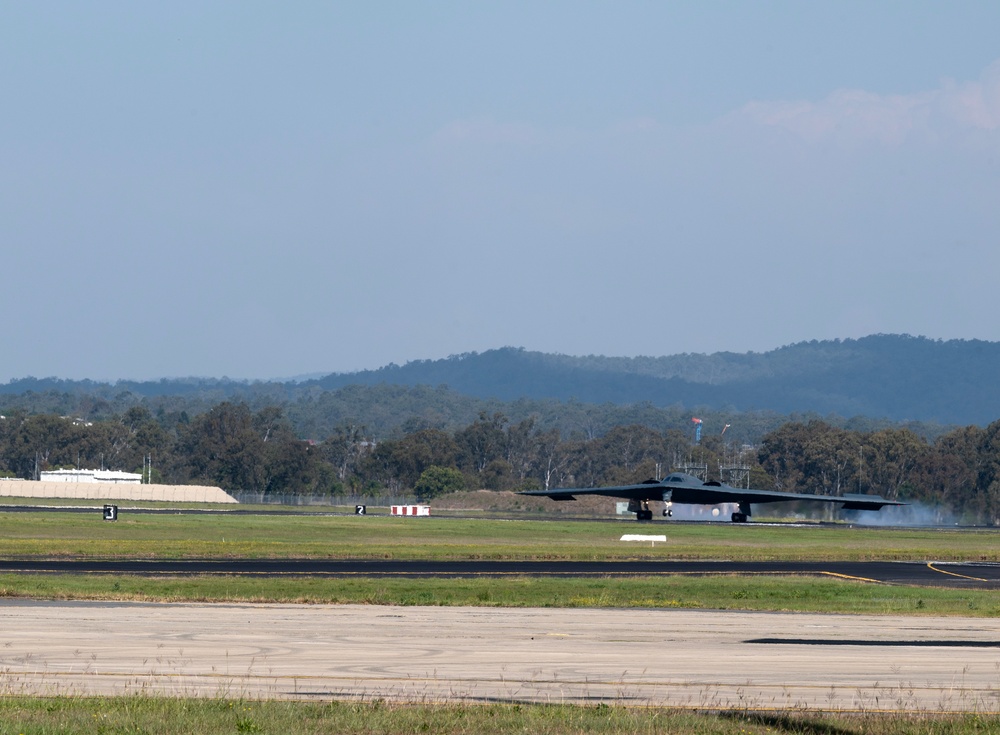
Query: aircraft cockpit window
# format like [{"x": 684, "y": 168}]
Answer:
[{"x": 675, "y": 478}]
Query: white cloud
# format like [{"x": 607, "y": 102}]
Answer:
[
  {"x": 856, "y": 116},
  {"x": 845, "y": 116},
  {"x": 975, "y": 104}
]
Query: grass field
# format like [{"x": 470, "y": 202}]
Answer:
[
  {"x": 801, "y": 594},
  {"x": 134, "y": 535},
  {"x": 67, "y": 535},
  {"x": 138, "y": 714}
]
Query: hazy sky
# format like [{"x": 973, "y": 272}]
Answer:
[{"x": 271, "y": 189}]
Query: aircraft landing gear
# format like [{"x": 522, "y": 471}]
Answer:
[
  {"x": 641, "y": 510},
  {"x": 667, "y": 512},
  {"x": 744, "y": 515}
]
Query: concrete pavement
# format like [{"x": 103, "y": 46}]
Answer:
[{"x": 690, "y": 658}]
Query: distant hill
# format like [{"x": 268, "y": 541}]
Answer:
[
  {"x": 898, "y": 377},
  {"x": 895, "y": 377}
]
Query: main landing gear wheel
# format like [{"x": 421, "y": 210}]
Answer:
[
  {"x": 739, "y": 517},
  {"x": 644, "y": 515}
]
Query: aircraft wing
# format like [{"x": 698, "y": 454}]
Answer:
[
  {"x": 711, "y": 493},
  {"x": 641, "y": 491}
]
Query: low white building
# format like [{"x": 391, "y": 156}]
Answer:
[{"x": 113, "y": 476}]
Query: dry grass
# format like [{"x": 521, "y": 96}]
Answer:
[{"x": 142, "y": 714}]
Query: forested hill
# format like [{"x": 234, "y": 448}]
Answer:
[
  {"x": 884, "y": 376},
  {"x": 894, "y": 377}
]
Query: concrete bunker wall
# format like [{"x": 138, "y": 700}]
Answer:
[{"x": 113, "y": 491}]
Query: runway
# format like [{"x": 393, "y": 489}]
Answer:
[
  {"x": 697, "y": 659},
  {"x": 932, "y": 574}
]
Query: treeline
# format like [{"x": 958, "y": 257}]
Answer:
[
  {"x": 257, "y": 451},
  {"x": 389, "y": 411}
]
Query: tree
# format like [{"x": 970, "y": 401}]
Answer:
[
  {"x": 891, "y": 458},
  {"x": 552, "y": 458},
  {"x": 124, "y": 442},
  {"x": 397, "y": 464},
  {"x": 988, "y": 481},
  {"x": 415, "y": 452},
  {"x": 344, "y": 449},
  {"x": 948, "y": 473},
  {"x": 291, "y": 466},
  {"x": 40, "y": 442},
  {"x": 482, "y": 442},
  {"x": 832, "y": 458},
  {"x": 628, "y": 454},
  {"x": 436, "y": 481},
  {"x": 781, "y": 454},
  {"x": 522, "y": 448},
  {"x": 222, "y": 447}
]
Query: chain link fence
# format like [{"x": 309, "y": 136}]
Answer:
[{"x": 322, "y": 500}]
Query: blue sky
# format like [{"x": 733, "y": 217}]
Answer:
[{"x": 262, "y": 189}]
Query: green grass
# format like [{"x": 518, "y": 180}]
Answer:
[
  {"x": 380, "y": 537},
  {"x": 805, "y": 594},
  {"x": 139, "y": 714},
  {"x": 73, "y": 535}
]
